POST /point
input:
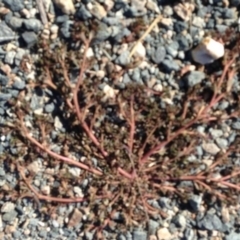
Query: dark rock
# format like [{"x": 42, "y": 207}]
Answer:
[
  {"x": 159, "y": 55},
  {"x": 14, "y": 5},
  {"x": 9, "y": 216},
  {"x": 5, "y": 96},
  {"x": 15, "y": 23},
  {"x": 195, "y": 202},
  {"x": 170, "y": 65},
  {"x": 6, "y": 33},
  {"x": 3, "y": 80},
  {"x": 82, "y": 13},
  {"x": 30, "y": 38},
  {"x": 210, "y": 222},
  {"x": 32, "y": 25},
  {"x": 123, "y": 59},
  {"x": 19, "y": 85},
  {"x": 139, "y": 234},
  {"x": 193, "y": 78}
]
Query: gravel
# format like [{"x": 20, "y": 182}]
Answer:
[{"x": 162, "y": 55}]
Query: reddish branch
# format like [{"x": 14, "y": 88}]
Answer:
[
  {"x": 53, "y": 154},
  {"x": 76, "y": 103},
  {"x": 203, "y": 178},
  {"x": 202, "y": 114}
]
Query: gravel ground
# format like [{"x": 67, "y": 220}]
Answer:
[{"x": 163, "y": 53}]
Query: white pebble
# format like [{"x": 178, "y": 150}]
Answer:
[
  {"x": 210, "y": 148},
  {"x": 7, "y": 207},
  {"x": 45, "y": 190},
  {"x": 89, "y": 53},
  {"x": 208, "y": 51},
  {"x": 66, "y": 6},
  {"x": 140, "y": 50},
  {"x": 164, "y": 234},
  {"x": 97, "y": 10}
]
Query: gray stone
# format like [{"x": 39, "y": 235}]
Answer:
[
  {"x": 221, "y": 28},
  {"x": 14, "y": 5},
  {"x": 115, "y": 30},
  {"x": 210, "y": 23},
  {"x": 179, "y": 221},
  {"x": 126, "y": 78},
  {"x": 111, "y": 21},
  {"x": 232, "y": 137},
  {"x": 198, "y": 22},
  {"x": 194, "y": 77},
  {"x": 32, "y": 24},
  {"x": 195, "y": 202},
  {"x": 203, "y": 11},
  {"x": 172, "y": 49},
  {"x": 123, "y": 58},
  {"x": 236, "y": 125},
  {"x": 15, "y": 22},
  {"x": 179, "y": 26},
  {"x": 9, "y": 216},
  {"x": 19, "y": 84},
  {"x": 42, "y": 234},
  {"x": 164, "y": 202},
  {"x": 83, "y": 13},
  {"x": 103, "y": 33},
  {"x": 145, "y": 76},
  {"x": 229, "y": 13},
  {"x": 210, "y": 222},
  {"x": 123, "y": 33},
  {"x": 2, "y": 112},
  {"x": 3, "y": 80},
  {"x": 14, "y": 92},
  {"x": 64, "y": 30},
  {"x": 199, "y": 150},
  {"x": 9, "y": 57},
  {"x": 121, "y": 237},
  {"x": 2, "y": 172},
  {"x": 139, "y": 234},
  {"x": 30, "y": 38},
  {"x": 19, "y": 55},
  {"x": 62, "y": 19},
  {"x": 135, "y": 11},
  {"x": 49, "y": 108},
  {"x": 7, "y": 207},
  {"x": 232, "y": 236},
  {"x": 17, "y": 235},
  {"x": 235, "y": 2},
  {"x": 89, "y": 235},
  {"x": 184, "y": 42},
  {"x": 215, "y": 133},
  {"x": 222, "y": 143},
  {"x": 33, "y": 221},
  {"x": 159, "y": 55},
  {"x": 6, "y": 33},
  {"x": 189, "y": 234},
  {"x": 170, "y": 65},
  {"x": 136, "y": 75},
  {"x": 152, "y": 226},
  {"x": 34, "y": 104},
  {"x": 5, "y": 96}
]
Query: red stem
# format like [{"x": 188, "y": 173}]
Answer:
[
  {"x": 55, "y": 155},
  {"x": 78, "y": 110}
]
